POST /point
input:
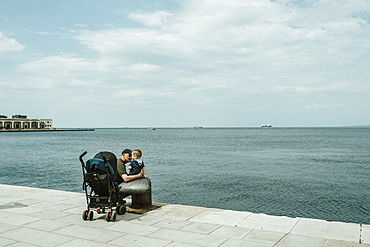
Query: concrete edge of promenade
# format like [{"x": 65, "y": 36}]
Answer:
[{"x": 45, "y": 217}]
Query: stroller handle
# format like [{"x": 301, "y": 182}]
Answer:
[{"x": 82, "y": 155}]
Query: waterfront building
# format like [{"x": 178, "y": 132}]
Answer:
[{"x": 21, "y": 122}]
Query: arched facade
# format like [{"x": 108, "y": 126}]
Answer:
[{"x": 21, "y": 122}]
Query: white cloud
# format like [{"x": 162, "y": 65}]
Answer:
[
  {"x": 218, "y": 54},
  {"x": 218, "y": 44},
  {"x": 143, "y": 67},
  {"x": 318, "y": 87},
  {"x": 321, "y": 106},
  {"x": 156, "y": 18},
  {"x": 8, "y": 44},
  {"x": 219, "y": 34}
]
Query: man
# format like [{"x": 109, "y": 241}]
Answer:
[{"x": 121, "y": 167}]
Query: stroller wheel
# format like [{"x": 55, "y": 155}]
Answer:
[
  {"x": 121, "y": 209},
  {"x": 114, "y": 216},
  {"x": 108, "y": 216},
  {"x": 91, "y": 215},
  {"x": 85, "y": 213}
]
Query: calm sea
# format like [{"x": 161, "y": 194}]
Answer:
[{"x": 318, "y": 173}]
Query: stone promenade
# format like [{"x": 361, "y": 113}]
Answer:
[{"x": 40, "y": 217}]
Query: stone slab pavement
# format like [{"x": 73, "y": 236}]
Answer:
[{"x": 43, "y": 217}]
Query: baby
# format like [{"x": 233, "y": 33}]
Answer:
[{"x": 136, "y": 165}]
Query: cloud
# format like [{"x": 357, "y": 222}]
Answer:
[
  {"x": 234, "y": 33},
  {"x": 319, "y": 86},
  {"x": 218, "y": 45},
  {"x": 225, "y": 43},
  {"x": 156, "y": 18},
  {"x": 322, "y": 106},
  {"x": 8, "y": 44},
  {"x": 216, "y": 54}
]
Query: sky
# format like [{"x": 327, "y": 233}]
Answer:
[{"x": 172, "y": 63}]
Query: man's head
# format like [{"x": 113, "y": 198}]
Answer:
[{"x": 126, "y": 155}]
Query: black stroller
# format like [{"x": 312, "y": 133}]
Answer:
[{"x": 101, "y": 187}]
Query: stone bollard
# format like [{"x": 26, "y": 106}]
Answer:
[
  {"x": 142, "y": 200},
  {"x": 141, "y": 191}
]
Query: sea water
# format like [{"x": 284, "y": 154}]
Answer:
[{"x": 320, "y": 173}]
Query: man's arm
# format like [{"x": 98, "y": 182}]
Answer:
[{"x": 127, "y": 178}]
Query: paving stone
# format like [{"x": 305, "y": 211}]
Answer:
[
  {"x": 222, "y": 217},
  {"x": 326, "y": 229},
  {"x": 63, "y": 207},
  {"x": 176, "y": 211},
  {"x": 129, "y": 217},
  {"x": 85, "y": 243},
  {"x": 6, "y": 199},
  {"x": 231, "y": 232},
  {"x": 132, "y": 228},
  {"x": 23, "y": 210},
  {"x": 198, "y": 227},
  {"x": 20, "y": 244},
  {"x": 98, "y": 220},
  {"x": 5, "y": 241},
  {"x": 80, "y": 200},
  {"x": 53, "y": 196},
  {"x": 16, "y": 219},
  {"x": 38, "y": 204},
  {"x": 243, "y": 243},
  {"x": 176, "y": 244},
  {"x": 77, "y": 220},
  {"x": 269, "y": 223},
  {"x": 46, "y": 225},
  {"x": 172, "y": 223},
  {"x": 145, "y": 219},
  {"x": 341, "y": 243},
  {"x": 291, "y": 240},
  {"x": 48, "y": 214},
  {"x": 36, "y": 237},
  {"x": 267, "y": 237},
  {"x": 11, "y": 206},
  {"x": 133, "y": 240},
  {"x": 88, "y": 233},
  {"x": 6, "y": 227},
  {"x": 188, "y": 237}
]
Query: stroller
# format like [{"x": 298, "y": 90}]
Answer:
[{"x": 101, "y": 187}]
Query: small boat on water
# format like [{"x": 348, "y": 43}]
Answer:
[
  {"x": 266, "y": 126},
  {"x": 151, "y": 128}
]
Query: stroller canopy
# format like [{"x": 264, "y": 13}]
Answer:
[{"x": 103, "y": 161}]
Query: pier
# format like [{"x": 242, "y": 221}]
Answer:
[
  {"x": 20, "y": 123},
  {"x": 42, "y": 130},
  {"x": 44, "y": 217}
]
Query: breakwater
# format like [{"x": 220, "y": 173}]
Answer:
[{"x": 42, "y": 130}]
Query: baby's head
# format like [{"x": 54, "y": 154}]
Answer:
[{"x": 136, "y": 154}]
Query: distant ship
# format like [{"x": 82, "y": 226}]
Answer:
[{"x": 266, "y": 126}]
